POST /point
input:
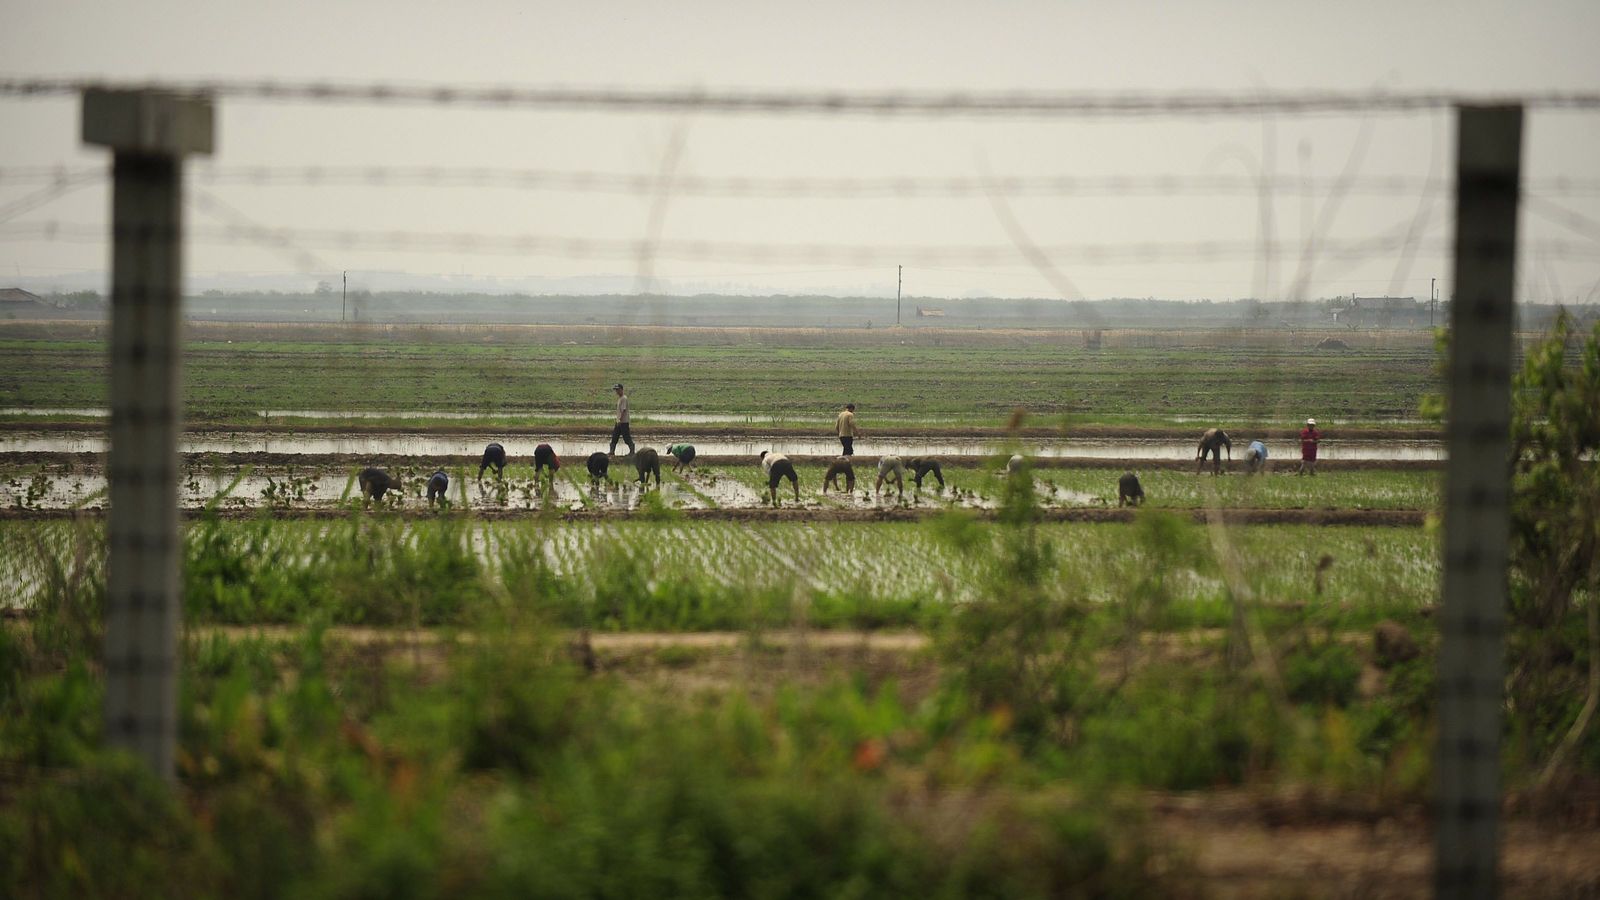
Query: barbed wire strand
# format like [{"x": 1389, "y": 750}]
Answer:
[
  {"x": 303, "y": 259},
  {"x": 32, "y": 201},
  {"x": 1551, "y": 211},
  {"x": 921, "y": 103},
  {"x": 691, "y": 250},
  {"x": 1047, "y": 268},
  {"x": 887, "y": 186}
]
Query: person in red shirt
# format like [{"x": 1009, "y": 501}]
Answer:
[{"x": 1309, "y": 438}]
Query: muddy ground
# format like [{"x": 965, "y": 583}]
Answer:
[
  {"x": 299, "y": 487},
  {"x": 95, "y": 460}
]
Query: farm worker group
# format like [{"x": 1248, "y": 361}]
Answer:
[
  {"x": 778, "y": 467},
  {"x": 1214, "y": 441}
]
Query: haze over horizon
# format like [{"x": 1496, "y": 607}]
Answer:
[{"x": 1317, "y": 227}]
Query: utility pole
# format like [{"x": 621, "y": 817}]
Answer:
[
  {"x": 149, "y": 132},
  {"x": 899, "y": 279},
  {"x": 1433, "y": 299},
  {"x": 343, "y": 293}
]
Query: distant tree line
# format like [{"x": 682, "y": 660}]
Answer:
[{"x": 327, "y": 303}]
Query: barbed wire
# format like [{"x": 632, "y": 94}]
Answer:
[
  {"x": 847, "y": 187},
  {"x": 303, "y": 259},
  {"x": 908, "y": 103},
  {"x": 1574, "y": 221},
  {"x": 688, "y": 250},
  {"x": 60, "y": 188},
  {"x": 768, "y": 186}
]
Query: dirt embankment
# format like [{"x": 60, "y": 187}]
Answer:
[
  {"x": 716, "y": 430},
  {"x": 94, "y": 462},
  {"x": 1253, "y": 845},
  {"x": 1380, "y": 518}
]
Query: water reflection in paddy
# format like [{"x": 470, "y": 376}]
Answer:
[{"x": 384, "y": 446}]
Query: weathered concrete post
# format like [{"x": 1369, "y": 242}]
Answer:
[
  {"x": 1476, "y": 503},
  {"x": 149, "y": 132}
]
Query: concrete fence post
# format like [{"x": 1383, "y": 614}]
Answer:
[
  {"x": 1476, "y": 504},
  {"x": 149, "y": 133}
]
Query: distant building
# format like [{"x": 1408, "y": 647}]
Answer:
[
  {"x": 17, "y": 298},
  {"x": 1382, "y": 312},
  {"x": 928, "y": 312}
]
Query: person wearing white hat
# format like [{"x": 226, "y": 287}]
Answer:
[{"x": 1310, "y": 437}]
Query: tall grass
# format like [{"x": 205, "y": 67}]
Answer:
[{"x": 512, "y": 773}]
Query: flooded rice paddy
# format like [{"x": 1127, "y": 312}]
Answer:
[
  {"x": 449, "y": 446},
  {"x": 270, "y": 415},
  {"x": 331, "y": 487}
]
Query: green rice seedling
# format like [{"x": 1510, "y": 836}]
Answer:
[{"x": 1333, "y": 489}]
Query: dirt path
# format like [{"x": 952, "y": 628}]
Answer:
[{"x": 1247, "y": 846}]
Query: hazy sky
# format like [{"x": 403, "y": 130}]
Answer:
[{"x": 1042, "y": 46}]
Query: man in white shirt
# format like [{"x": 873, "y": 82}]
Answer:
[
  {"x": 778, "y": 467},
  {"x": 620, "y": 431},
  {"x": 891, "y": 469}
]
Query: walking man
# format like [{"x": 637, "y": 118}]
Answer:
[
  {"x": 1310, "y": 437},
  {"x": 620, "y": 431},
  {"x": 845, "y": 427}
]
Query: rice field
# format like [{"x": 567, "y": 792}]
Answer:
[
  {"x": 43, "y": 486},
  {"x": 759, "y": 572}
]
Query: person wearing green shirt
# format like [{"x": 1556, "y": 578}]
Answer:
[{"x": 682, "y": 455}]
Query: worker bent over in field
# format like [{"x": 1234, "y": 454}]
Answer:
[
  {"x": 599, "y": 466},
  {"x": 890, "y": 468},
  {"x": 682, "y": 455},
  {"x": 921, "y": 467},
  {"x": 621, "y": 431},
  {"x": 837, "y": 468},
  {"x": 544, "y": 456},
  {"x": 845, "y": 427},
  {"x": 1310, "y": 437},
  {"x": 438, "y": 486},
  {"x": 647, "y": 463},
  {"x": 1212, "y": 443},
  {"x": 1129, "y": 491},
  {"x": 778, "y": 467},
  {"x": 1255, "y": 458},
  {"x": 493, "y": 455},
  {"x": 375, "y": 483}
]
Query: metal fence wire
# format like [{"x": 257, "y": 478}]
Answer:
[{"x": 152, "y": 130}]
